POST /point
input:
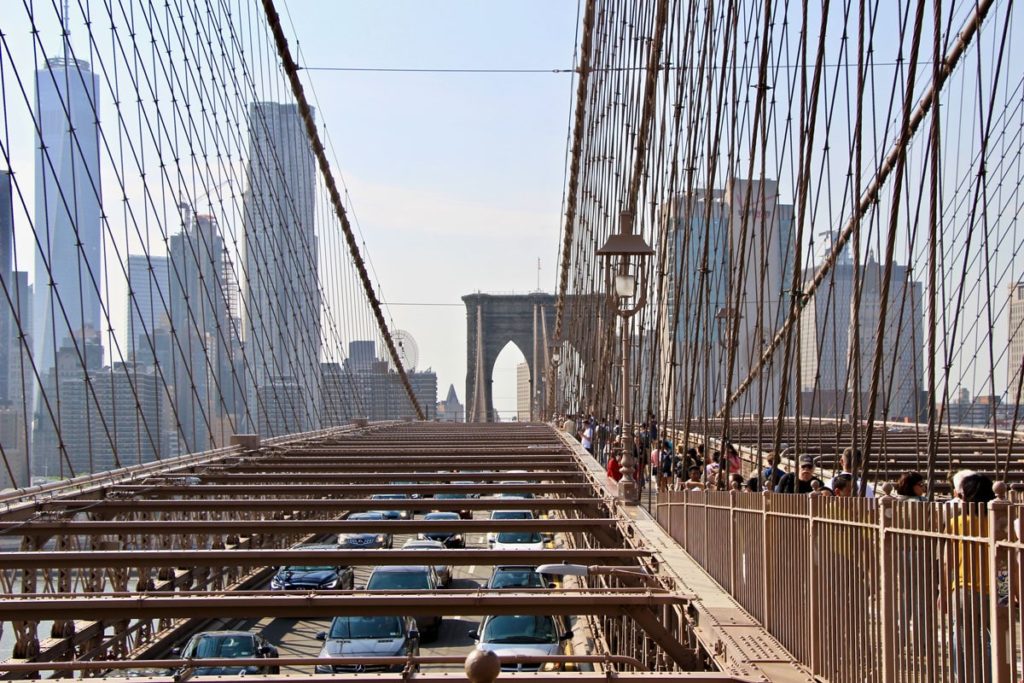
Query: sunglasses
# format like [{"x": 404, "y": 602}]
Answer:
[{"x": 807, "y": 467}]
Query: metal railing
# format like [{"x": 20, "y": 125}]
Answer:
[{"x": 867, "y": 589}]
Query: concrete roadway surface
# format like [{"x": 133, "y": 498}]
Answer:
[{"x": 297, "y": 637}]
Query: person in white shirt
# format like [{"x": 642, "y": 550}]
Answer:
[{"x": 850, "y": 462}]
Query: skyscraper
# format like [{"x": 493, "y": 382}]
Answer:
[
  {"x": 282, "y": 296},
  {"x": 203, "y": 379},
  {"x": 826, "y": 342},
  {"x": 148, "y": 301},
  {"x": 6, "y": 275},
  {"x": 1015, "y": 343},
  {"x": 67, "y": 208},
  {"x": 730, "y": 259}
]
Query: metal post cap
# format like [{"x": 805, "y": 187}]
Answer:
[{"x": 482, "y": 666}]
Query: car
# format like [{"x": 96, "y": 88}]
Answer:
[
  {"x": 444, "y": 571},
  {"x": 464, "y": 514},
  {"x": 368, "y": 636},
  {"x": 518, "y": 540},
  {"x": 409, "y": 578},
  {"x": 365, "y": 539},
  {"x": 509, "y": 635},
  {"x": 392, "y": 514},
  {"x": 506, "y": 577},
  {"x": 516, "y": 494},
  {"x": 314, "y": 576},
  {"x": 450, "y": 539},
  {"x": 507, "y": 514},
  {"x": 228, "y": 645}
]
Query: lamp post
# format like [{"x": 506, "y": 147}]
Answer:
[
  {"x": 554, "y": 357},
  {"x": 625, "y": 256}
]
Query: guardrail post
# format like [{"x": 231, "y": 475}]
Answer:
[
  {"x": 732, "y": 542},
  {"x": 886, "y": 590},
  {"x": 766, "y": 593},
  {"x": 812, "y": 586},
  {"x": 998, "y": 614}
]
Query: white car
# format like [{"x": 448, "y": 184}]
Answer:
[
  {"x": 507, "y": 514},
  {"x": 518, "y": 540}
]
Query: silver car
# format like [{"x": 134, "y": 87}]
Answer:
[
  {"x": 509, "y": 635},
  {"x": 359, "y": 637}
]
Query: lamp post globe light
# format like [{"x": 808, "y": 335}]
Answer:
[
  {"x": 554, "y": 357},
  {"x": 625, "y": 258}
]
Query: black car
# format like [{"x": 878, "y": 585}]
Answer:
[
  {"x": 450, "y": 539},
  {"x": 228, "y": 645},
  {"x": 508, "y": 577},
  {"x": 365, "y": 540},
  {"x": 392, "y": 514},
  {"x": 464, "y": 514},
  {"x": 313, "y": 576},
  {"x": 409, "y": 578}
]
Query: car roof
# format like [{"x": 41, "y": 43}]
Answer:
[
  {"x": 440, "y": 515},
  {"x": 422, "y": 542},
  {"x": 514, "y": 568},
  {"x": 317, "y": 546},
  {"x": 373, "y": 514},
  {"x": 224, "y": 634},
  {"x": 506, "y": 512},
  {"x": 400, "y": 568}
]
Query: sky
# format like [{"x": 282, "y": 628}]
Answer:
[{"x": 455, "y": 180}]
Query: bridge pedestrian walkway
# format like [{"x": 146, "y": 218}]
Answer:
[{"x": 740, "y": 645}]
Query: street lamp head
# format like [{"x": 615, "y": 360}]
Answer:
[
  {"x": 625, "y": 286},
  {"x": 625, "y": 256},
  {"x": 564, "y": 569}
]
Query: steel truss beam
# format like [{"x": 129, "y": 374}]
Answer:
[
  {"x": 271, "y": 488},
  {"x": 276, "y": 558},
  {"x": 291, "y": 475},
  {"x": 261, "y": 604},
  {"x": 82, "y": 527},
  {"x": 308, "y": 505}
]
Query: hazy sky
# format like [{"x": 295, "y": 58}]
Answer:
[{"x": 455, "y": 179}]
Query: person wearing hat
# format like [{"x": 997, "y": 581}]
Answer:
[{"x": 802, "y": 481}]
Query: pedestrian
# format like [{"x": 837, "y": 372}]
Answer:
[
  {"x": 842, "y": 486},
  {"x": 968, "y": 598},
  {"x": 736, "y": 482},
  {"x": 588, "y": 438},
  {"x": 802, "y": 481},
  {"x": 666, "y": 466},
  {"x": 602, "y": 440},
  {"x": 732, "y": 459},
  {"x": 911, "y": 486},
  {"x": 850, "y": 463},
  {"x": 693, "y": 482},
  {"x": 772, "y": 472},
  {"x": 614, "y": 470}
]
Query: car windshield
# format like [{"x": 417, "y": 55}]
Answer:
[
  {"x": 366, "y": 516},
  {"x": 441, "y": 515},
  {"x": 517, "y": 578},
  {"x": 308, "y": 568},
  {"x": 519, "y": 537},
  {"x": 511, "y": 514},
  {"x": 391, "y": 581},
  {"x": 388, "y": 496},
  {"x": 220, "y": 647},
  {"x": 353, "y": 628},
  {"x": 449, "y": 496},
  {"x": 519, "y": 629}
]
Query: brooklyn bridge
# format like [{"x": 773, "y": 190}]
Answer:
[{"x": 767, "y": 421}]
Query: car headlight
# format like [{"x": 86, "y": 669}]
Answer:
[
  {"x": 404, "y": 514},
  {"x": 323, "y": 669},
  {"x": 421, "y": 536},
  {"x": 380, "y": 538},
  {"x": 551, "y": 666},
  {"x": 328, "y": 585},
  {"x": 456, "y": 537}
]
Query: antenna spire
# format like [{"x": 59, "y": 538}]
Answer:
[{"x": 65, "y": 21}]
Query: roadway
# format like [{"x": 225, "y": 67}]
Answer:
[{"x": 297, "y": 637}]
